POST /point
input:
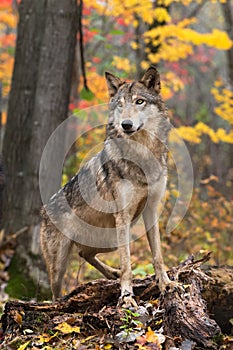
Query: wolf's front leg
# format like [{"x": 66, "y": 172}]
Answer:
[
  {"x": 150, "y": 217},
  {"x": 123, "y": 236}
]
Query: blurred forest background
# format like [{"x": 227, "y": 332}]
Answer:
[{"x": 59, "y": 60}]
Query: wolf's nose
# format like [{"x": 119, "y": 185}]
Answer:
[{"x": 127, "y": 124}]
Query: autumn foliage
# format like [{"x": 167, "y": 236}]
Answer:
[{"x": 188, "y": 41}]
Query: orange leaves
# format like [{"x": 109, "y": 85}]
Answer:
[
  {"x": 135, "y": 331},
  {"x": 7, "y": 17},
  {"x": 6, "y": 67},
  {"x": 5, "y": 4},
  {"x": 97, "y": 85},
  {"x": 7, "y": 41},
  {"x": 150, "y": 340}
]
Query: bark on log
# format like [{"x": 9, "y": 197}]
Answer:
[{"x": 185, "y": 311}]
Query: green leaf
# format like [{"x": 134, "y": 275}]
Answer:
[
  {"x": 108, "y": 46},
  {"x": 124, "y": 326},
  {"x": 116, "y": 32},
  {"x": 86, "y": 95},
  {"x": 11, "y": 51}
]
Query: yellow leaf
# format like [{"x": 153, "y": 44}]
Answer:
[
  {"x": 135, "y": 23},
  {"x": 122, "y": 63},
  {"x": 154, "y": 302},
  {"x": 8, "y": 19},
  {"x": 218, "y": 83},
  {"x": 4, "y": 118},
  {"x": 151, "y": 337},
  {"x": 65, "y": 328},
  {"x": 108, "y": 346},
  {"x": 134, "y": 45},
  {"x": 162, "y": 14},
  {"x": 24, "y": 346},
  {"x": 175, "y": 193},
  {"x": 88, "y": 338},
  {"x": 45, "y": 338}
]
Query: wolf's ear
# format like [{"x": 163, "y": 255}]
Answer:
[
  {"x": 151, "y": 79},
  {"x": 113, "y": 83}
]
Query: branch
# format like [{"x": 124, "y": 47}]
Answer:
[
  {"x": 82, "y": 46},
  {"x": 195, "y": 11}
]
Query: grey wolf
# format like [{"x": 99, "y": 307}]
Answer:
[{"x": 126, "y": 179}]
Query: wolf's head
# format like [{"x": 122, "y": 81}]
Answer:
[{"x": 135, "y": 106}]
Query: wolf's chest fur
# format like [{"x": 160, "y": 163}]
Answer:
[{"x": 118, "y": 178}]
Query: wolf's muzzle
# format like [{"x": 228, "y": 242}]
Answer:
[{"x": 127, "y": 125}]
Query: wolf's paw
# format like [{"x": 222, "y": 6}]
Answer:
[
  {"x": 170, "y": 286},
  {"x": 127, "y": 301},
  {"x": 116, "y": 273},
  {"x": 111, "y": 273}
]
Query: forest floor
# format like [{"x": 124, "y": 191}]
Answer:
[{"x": 195, "y": 316}]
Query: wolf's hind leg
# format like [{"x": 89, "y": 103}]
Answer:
[
  {"x": 107, "y": 271},
  {"x": 56, "y": 248}
]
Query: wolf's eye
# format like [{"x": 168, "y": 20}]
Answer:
[
  {"x": 139, "y": 101},
  {"x": 119, "y": 104}
]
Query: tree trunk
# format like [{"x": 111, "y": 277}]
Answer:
[
  {"x": 227, "y": 11},
  {"x": 140, "y": 53},
  {"x": 38, "y": 104}
]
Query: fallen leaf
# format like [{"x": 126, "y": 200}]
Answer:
[
  {"x": 65, "y": 328},
  {"x": 108, "y": 346},
  {"x": 88, "y": 338},
  {"x": 151, "y": 337},
  {"x": 18, "y": 317},
  {"x": 24, "y": 346},
  {"x": 45, "y": 338}
]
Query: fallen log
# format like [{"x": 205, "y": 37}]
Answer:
[{"x": 191, "y": 314}]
